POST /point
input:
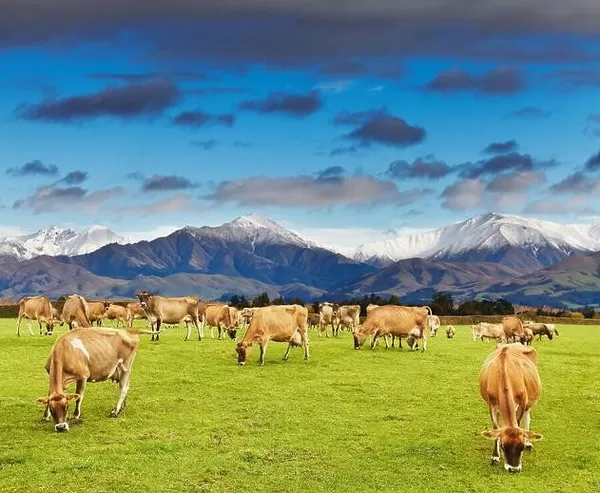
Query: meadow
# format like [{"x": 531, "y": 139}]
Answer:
[{"x": 345, "y": 421}]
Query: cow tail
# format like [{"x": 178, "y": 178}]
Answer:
[{"x": 429, "y": 310}]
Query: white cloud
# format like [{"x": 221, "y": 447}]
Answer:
[
  {"x": 151, "y": 234},
  {"x": 8, "y": 230}
]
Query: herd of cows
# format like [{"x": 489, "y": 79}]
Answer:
[{"x": 509, "y": 381}]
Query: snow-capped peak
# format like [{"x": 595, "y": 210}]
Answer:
[
  {"x": 257, "y": 221},
  {"x": 58, "y": 241},
  {"x": 490, "y": 232}
]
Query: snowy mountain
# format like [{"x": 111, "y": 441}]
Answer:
[
  {"x": 55, "y": 241},
  {"x": 507, "y": 239}
]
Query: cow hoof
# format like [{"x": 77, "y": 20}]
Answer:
[
  {"x": 495, "y": 461},
  {"x": 529, "y": 447},
  {"x": 113, "y": 414},
  {"x": 44, "y": 419}
]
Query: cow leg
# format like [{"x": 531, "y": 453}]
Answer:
[
  {"x": 29, "y": 326},
  {"x": 19, "y": 325},
  {"x": 374, "y": 342},
  {"x": 527, "y": 416},
  {"x": 496, "y": 450},
  {"x": 79, "y": 390},
  {"x": 40, "y": 324},
  {"x": 46, "y": 416},
  {"x": 263, "y": 350},
  {"x": 424, "y": 348},
  {"x": 156, "y": 332},
  {"x": 198, "y": 329},
  {"x": 393, "y": 340},
  {"x": 287, "y": 352},
  {"x": 124, "y": 375},
  {"x": 304, "y": 336}
]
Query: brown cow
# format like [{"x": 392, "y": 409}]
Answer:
[
  {"x": 539, "y": 330},
  {"x": 485, "y": 330},
  {"x": 348, "y": 316},
  {"x": 510, "y": 384},
  {"x": 87, "y": 355},
  {"x": 36, "y": 308},
  {"x": 75, "y": 312},
  {"x": 172, "y": 311},
  {"x": 219, "y": 316},
  {"x": 399, "y": 321},
  {"x": 134, "y": 311},
  {"x": 513, "y": 329},
  {"x": 97, "y": 311},
  {"x": 281, "y": 323},
  {"x": 117, "y": 313},
  {"x": 327, "y": 316}
]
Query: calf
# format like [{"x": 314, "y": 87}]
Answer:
[
  {"x": 282, "y": 323},
  {"x": 433, "y": 322},
  {"x": 117, "y": 313},
  {"x": 348, "y": 316},
  {"x": 484, "y": 330},
  {"x": 172, "y": 311},
  {"x": 327, "y": 316},
  {"x": 87, "y": 355},
  {"x": 539, "y": 330},
  {"x": 510, "y": 385},
  {"x": 75, "y": 312},
  {"x": 36, "y": 308},
  {"x": 97, "y": 311},
  {"x": 134, "y": 311},
  {"x": 513, "y": 329},
  {"x": 219, "y": 316}
]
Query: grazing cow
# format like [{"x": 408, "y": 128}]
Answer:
[
  {"x": 527, "y": 338},
  {"x": 327, "y": 316},
  {"x": 552, "y": 328},
  {"x": 513, "y": 329},
  {"x": 97, "y": 311},
  {"x": 117, "y": 313},
  {"x": 313, "y": 321},
  {"x": 57, "y": 317},
  {"x": 236, "y": 321},
  {"x": 484, "y": 330},
  {"x": 134, "y": 311},
  {"x": 87, "y": 355},
  {"x": 510, "y": 385},
  {"x": 172, "y": 311},
  {"x": 219, "y": 316},
  {"x": 348, "y": 316},
  {"x": 540, "y": 330},
  {"x": 36, "y": 308},
  {"x": 450, "y": 331},
  {"x": 398, "y": 321},
  {"x": 433, "y": 322},
  {"x": 75, "y": 312},
  {"x": 280, "y": 323}
]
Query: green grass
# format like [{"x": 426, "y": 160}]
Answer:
[{"x": 346, "y": 421}]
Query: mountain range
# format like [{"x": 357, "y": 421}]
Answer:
[{"x": 494, "y": 255}]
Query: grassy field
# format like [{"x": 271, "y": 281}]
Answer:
[{"x": 346, "y": 421}]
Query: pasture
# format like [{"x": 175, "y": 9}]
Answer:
[{"x": 346, "y": 421}]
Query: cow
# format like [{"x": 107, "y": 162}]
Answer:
[
  {"x": 36, "y": 308},
  {"x": 433, "y": 322},
  {"x": 94, "y": 354},
  {"x": 235, "y": 317},
  {"x": 134, "y": 311},
  {"x": 513, "y": 329},
  {"x": 117, "y": 313},
  {"x": 219, "y": 316},
  {"x": 484, "y": 330},
  {"x": 97, "y": 311},
  {"x": 327, "y": 316},
  {"x": 75, "y": 312},
  {"x": 552, "y": 328},
  {"x": 450, "y": 331},
  {"x": 539, "y": 330},
  {"x": 172, "y": 311},
  {"x": 348, "y": 316},
  {"x": 57, "y": 317},
  {"x": 527, "y": 338},
  {"x": 280, "y": 323},
  {"x": 510, "y": 384},
  {"x": 313, "y": 321},
  {"x": 398, "y": 321},
  {"x": 371, "y": 306}
]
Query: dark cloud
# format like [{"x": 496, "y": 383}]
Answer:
[
  {"x": 205, "y": 145},
  {"x": 389, "y": 130},
  {"x": 346, "y": 117},
  {"x": 75, "y": 178},
  {"x": 181, "y": 202},
  {"x": 464, "y": 194},
  {"x": 515, "y": 182},
  {"x": 216, "y": 90},
  {"x": 499, "y": 81},
  {"x": 132, "y": 78},
  {"x": 162, "y": 183},
  {"x": 331, "y": 173},
  {"x": 354, "y": 68},
  {"x": 134, "y": 100},
  {"x": 593, "y": 163},
  {"x": 530, "y": 112},
  {"x": 313, "y": 192},
  {"x": 577, "y": 183},
  {"x": 296, "y": 105},
  {"x": 427, "y": 167},
  {"x": 341, "y": 151},
  {"x": 199, "y": 118},
  {"x": 32, "y": 168},
  {"x": 582, "y": 78},
  {"x": 73, "y": 199},
  {"x": 512, "y": 161},
  {"x": 502, "y": 147}
]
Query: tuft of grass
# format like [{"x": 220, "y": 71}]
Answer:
[{"x": 345, "y": 421}]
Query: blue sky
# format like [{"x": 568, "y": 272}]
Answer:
[{"x": 339, "y": 122}]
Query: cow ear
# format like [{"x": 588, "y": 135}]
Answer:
[
  {"x": 72, "y": 396},
  {"x": 531, "y": 435},
  {"x": 42, "y": 401},
  {"x": 491, "y": 434}
]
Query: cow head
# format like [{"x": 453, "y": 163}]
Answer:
[
  {"x": 57, "y": 405},
  {"x": 359, "y": 339},
  {"x": 232, "y": 333},
  {"x": 512, "y": 443},
  {"x": 106, "y": 305},
  {"x": 242, "y": 350},
  {"x": 144, "y": 297}
]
